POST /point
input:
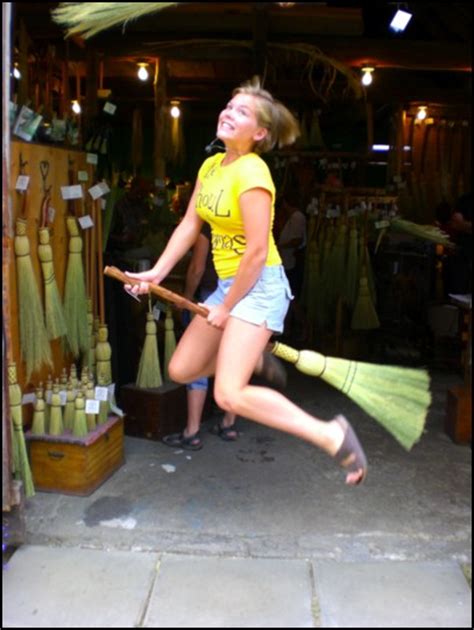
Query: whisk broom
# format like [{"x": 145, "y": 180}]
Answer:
[
  {"x": 397, "y": 397},
  {"x": 149, "y": 373}
]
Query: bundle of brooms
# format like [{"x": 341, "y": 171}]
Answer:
[{"x": 397, "y": 397}]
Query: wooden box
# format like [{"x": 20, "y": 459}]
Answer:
[
  {"x": 458, "y": 422},
  {"x": 154, "y": 412},
  {"x": 73, "y": 465}
]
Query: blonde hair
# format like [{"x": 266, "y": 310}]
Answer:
[{"x": 282, "y": 126}]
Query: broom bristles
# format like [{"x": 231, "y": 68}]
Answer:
[
  {"x": 397, "y": 397},
  {"x": 364, "y": 316},
  {"x": 149, "y": 374},
  {"x": 75, "y": 299},
  {"x": 170, "y": 341},
  {"x": 90, "y": 18}
]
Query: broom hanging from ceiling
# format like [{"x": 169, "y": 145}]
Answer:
[{"x": 397, "y": 397}]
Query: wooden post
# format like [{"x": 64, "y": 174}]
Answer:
[{"x": 159, "y": 85}]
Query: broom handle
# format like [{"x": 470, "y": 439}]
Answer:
[{"x": 100, "y": 280}]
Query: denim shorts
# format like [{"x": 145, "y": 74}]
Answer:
[{"x": 267, "y": 302}]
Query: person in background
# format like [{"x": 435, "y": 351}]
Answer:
[
  {"x": 459, "y": 263},
  {"x": 201, "y": 278},
  {"x": 235, "y": 194}
]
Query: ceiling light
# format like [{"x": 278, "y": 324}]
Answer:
[
  {"x": 75, "y": 106},
  {"x": 400, "y": 21},
  {"x": 421, "y": 114},
  {"x": 367, "y": 76},
  {"x": 142, "y": 71},
  {"x": 175, "y": 111}
]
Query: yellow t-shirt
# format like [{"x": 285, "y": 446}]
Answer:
[{"x": 218, "y": 203}]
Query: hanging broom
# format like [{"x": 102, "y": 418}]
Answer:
[
  {"x": 397, "y": 397},
  {"x": 21, "y": 465},
  {"x": 69, "y": 408},
  {"x": 54, "y": 312},
  {"x": 149, "y": 373},
  {"x": 75, "y": 301},
  {"x": 170, "y": 342},
  {"x": 35, "y": 348},
  {"x": 364, "y": 316},
  {"x": 89, "y": 18}
]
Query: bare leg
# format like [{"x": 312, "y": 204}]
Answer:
[
  {"x": 241, "y": 346},
  {"x": 196, "y": 399}
]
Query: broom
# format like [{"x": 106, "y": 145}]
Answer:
[
  {"x": 170, "y": 342},
  {"x": 69, "y": 408},
  {"x": 54, "y": 313},
  {"x": 56, "y": 426},
  {"x": 149, "y": 373},
  {"x": 21, "y": 465},
  {"x": 35, "y": 348},
  {"x": 89, "y": 18},
  {"x": 75, "y": 301},
  {"x": 396, "y": 397},
  {"x": 37, "y": 426},
  {"x": 79, "y": 428}
]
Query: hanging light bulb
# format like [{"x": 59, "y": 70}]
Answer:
[
  {"x": 75, "y": 106},
  {"x": 175, "y": 111},
  {"x": 421, "y": 114},
  {"x": 367, "y": 76},
  {"x": 142, "y": 71},
  {"x": 16, "y": 71}
]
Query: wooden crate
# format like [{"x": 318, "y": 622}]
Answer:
[
  {"x": 72, "y": 465},
  {"x": 154, "y": 412},
  {"x": 458, "y": 421}
]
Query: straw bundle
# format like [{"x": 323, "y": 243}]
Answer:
[
  {"x": 364, "y": 316},
  {"x": 103, "y": 354},
  {"x": 21, "y": 465},
  {"x": 426, "y": 232},
  {"x": 35, "y": 348},
  {"x": 54, "y": 312},
  {"x": 90, "y": 417},
  {"x": 149, "y": 373},
  {"x": 79, "y": 428},
  {"x": 170, "y": 341},
  {"x": 37, "y": 426},
  {"x": 89, "y": 18},
  {"x": 69, "y": 408},
  {"x": 75, "y": 301},
  {"x": 47, "y": 396},
  {"x": 397, "y": 397},
  {"x": 56, "y": 426}
]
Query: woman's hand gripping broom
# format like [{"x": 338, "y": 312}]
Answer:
[{"x": 397, "y": 397}]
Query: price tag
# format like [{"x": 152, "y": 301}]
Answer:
[
  {"x": 379, "y": 225},
  {"x": 111, "y": 389},
  {"x": 83, "y": 176},
  {"x": 63, "y": 397},
  {"x": 28, "y": 399},
  {"x": 156, "y": 312},
  {"x": 71, "y": 192},
  {"x": 110, "y": 108},
  {"x": 96, "y": 192},
  {"x": 51, "y": 214},
  {"x": 116, "y": 411},
  {"x": 92, "y": 158},
  {"x": 86, "y": 222},
  {"x": 104, "y": 187},
  {"x": 102, "y": 393},
  {"x": 92, "y": 406},
  {"x": 22, "y": 183}
]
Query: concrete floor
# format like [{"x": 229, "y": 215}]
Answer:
[
  {"x": 272, "y": 495},
  {"x": 252, "y": 520}
]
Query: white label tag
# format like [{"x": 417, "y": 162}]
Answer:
[
  {"x": 51, "y": 214},
  {"x": 379, "y": 225},
  {"x": 96, "y": 192},
  {"x": 28, "y": 399},
  {"x": 22, "y": 182},
  {"x": 63, "y": 397},
  {"x": 111, "y": 389},
  {"x": 135, "y": 297},
  {"x": 103, "y": 204},
  {"x": 116, "y": 411},
  {"x": 71, "y": 192},
  {"x": 104, "y": 187},
  {"x": 92, "y": 406},
  {"x": 92, "y": 158},
  {"x": 86, "y": 222},
  {"x": 102, "y": 393},
  {"x": 110, "y": 108},
  {"x": 156, "y": 313},
  {"x": 83, "y": 176},
  {"x": 47, "y": 395}
]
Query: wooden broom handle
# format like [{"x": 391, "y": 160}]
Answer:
[{"x": 161, "y": 292}]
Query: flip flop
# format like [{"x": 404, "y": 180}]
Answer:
[
  {"x": 350, "y": 455},
  {"x": 179, "y": 440},
  {"x": 225, "y": 432}
]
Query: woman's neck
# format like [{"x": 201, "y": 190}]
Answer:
[{"x": 233, "y": 154}]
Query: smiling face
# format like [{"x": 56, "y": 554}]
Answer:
[{"x": 238, "y": 126}]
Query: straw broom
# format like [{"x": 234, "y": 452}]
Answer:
[
  {"x": 56, "y": 426},
  {"x": 149, "y": 373},
  {"x": 79, "y": 428},
  {"x": 37, "y": 426},
  {"x": 170, "y": 342},
  {"x": 89, "y": 18},
  {"x": 69, "y": 408},
  {"x": 75, "y": 301},
  {"x": 35, "y": 348},
  {"x": 21, "y": 465},
  {"x": 396, "y": 397},
  {"x": 54, "y": 312}
]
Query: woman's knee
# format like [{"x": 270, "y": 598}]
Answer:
[
  {"x": 177, "y": 371},
  {"x": 226, "y": 399}
]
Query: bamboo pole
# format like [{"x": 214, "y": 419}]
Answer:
[{"x": 100, "y": 276}]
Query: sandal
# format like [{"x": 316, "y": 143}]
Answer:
[
  {"x": 228, "y": 434},
  {"x": 350, "y": 455},
  {"x": 179, "y": 440}
]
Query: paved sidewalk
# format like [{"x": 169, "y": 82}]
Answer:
[{"x": 74, "y": 588}]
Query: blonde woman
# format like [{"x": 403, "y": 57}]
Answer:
[{"x": 235, "y": 194}]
